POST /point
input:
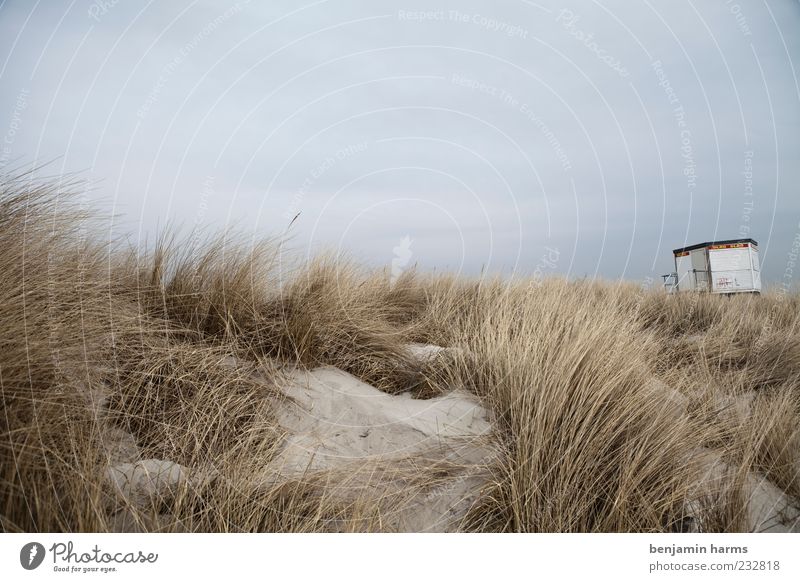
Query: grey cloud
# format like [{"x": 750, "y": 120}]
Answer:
[{"x": 486, "y": 132}]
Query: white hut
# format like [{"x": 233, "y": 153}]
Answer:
[{"x": 725, "y": 266}]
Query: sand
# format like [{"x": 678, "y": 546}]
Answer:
[
  {"x": 338, "y": 423},
  {"x": 427, "y": 460},
  {"x": 769, "y": 509}
]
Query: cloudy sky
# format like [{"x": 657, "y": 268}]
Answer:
[{"x": 580, "y": 138}]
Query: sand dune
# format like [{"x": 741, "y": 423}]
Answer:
[{"x": 195, "y": 387}]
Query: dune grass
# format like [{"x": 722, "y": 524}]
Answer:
[{"x": 600, "y": 394}]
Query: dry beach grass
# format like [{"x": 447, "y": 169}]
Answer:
[{"x": 160, "y": 390}]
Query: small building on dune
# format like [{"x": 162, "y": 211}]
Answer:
[{"x": 724, "y": 266}]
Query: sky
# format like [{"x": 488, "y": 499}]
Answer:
[{"x": 576, "y": 138}]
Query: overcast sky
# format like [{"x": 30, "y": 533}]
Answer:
[{"x": 580, "y": 138}]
